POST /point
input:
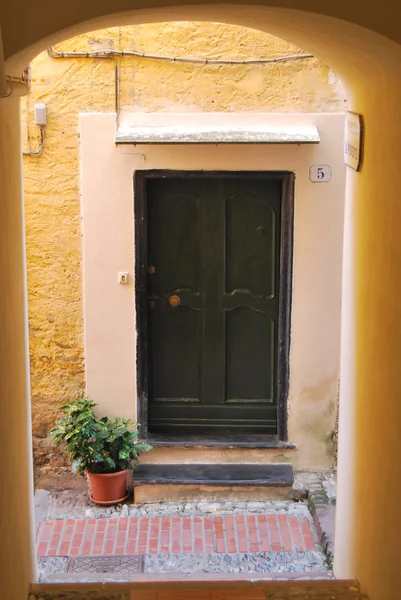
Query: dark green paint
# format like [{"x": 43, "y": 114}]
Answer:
[{"x": 215, "y": 243}]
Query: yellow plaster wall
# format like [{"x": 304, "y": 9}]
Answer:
[
  {"x": 52, "y": 190},
  {"x": 149, "y": 85}
]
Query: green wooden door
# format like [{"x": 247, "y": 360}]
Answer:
[{"x": 213, "y": 296}]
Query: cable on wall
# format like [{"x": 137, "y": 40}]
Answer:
[
  {"x": 41, "y": 124},
  {"x": 113, "y": 54},
  {"x": 38, "y": 152},
  {"x": 107, "y": 55},
  {"x": 204, "y": 61}
]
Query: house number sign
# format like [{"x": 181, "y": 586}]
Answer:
[{"x": 320, "y": 173}]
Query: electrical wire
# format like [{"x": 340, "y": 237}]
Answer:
[
  {"x": 108, "y": 56},
  {"x": 204, "y": 61},
  {"x": 38, "y": 152},
  {"x": 29, "y": 152},
  {"x": 113, "y": 54},
  {"x": 10, "y": 81}
]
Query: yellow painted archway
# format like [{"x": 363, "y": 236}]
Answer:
[{"x": 360, "y": 43}]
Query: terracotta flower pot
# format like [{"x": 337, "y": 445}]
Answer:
[{"x": 108, "y": 488}]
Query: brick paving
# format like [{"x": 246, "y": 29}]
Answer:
[{"x": 165, "y": 535}]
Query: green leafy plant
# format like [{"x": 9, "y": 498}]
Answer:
[{"x": 97, "y": 445}]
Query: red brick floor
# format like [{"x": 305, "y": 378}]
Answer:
[{"x": 160, "y": 535}]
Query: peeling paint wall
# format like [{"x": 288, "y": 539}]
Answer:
[{"x": 52, "y": 191}]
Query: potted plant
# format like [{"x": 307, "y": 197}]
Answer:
[{"x": 102, "y": 448}]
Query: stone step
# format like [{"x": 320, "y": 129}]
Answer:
[
  {"x": 166, "y": 589},
  {"x": 161, "y": 482},
  {"x": 278, "y": 475}
]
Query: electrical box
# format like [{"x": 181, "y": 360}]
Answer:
[{"x": 40, "y": 114}]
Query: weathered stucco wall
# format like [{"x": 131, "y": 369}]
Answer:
[{"x": 52, "y": 192}]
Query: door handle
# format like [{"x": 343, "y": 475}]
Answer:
[{"x": 174, "y": 301}]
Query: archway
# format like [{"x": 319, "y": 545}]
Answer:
[{"x": 368, "y": 64}]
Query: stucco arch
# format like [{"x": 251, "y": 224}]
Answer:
[
  {"x": 346, "y": 47},
  {"x": 368, "y": 64},
  {"x": 37, "y": 21}
]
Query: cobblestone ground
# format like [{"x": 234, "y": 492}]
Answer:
[{"x": 79, "y": 541}]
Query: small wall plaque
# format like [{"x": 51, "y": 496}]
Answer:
[
  {"x": 353, "y": 139},
  {"x": 320, "y": 173}
]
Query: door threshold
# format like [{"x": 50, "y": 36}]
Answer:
[{"x": 252, "y": 441}]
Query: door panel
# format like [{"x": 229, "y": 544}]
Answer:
[
  {"x": 175, "y": 336},
  {"x": 250, "y": 263},
  {"x": 250, "y": 356},
  {"x": 174, "y": 239},
  {"x": 195, "y": 418},
  {"x": 214, "y": 257}
]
